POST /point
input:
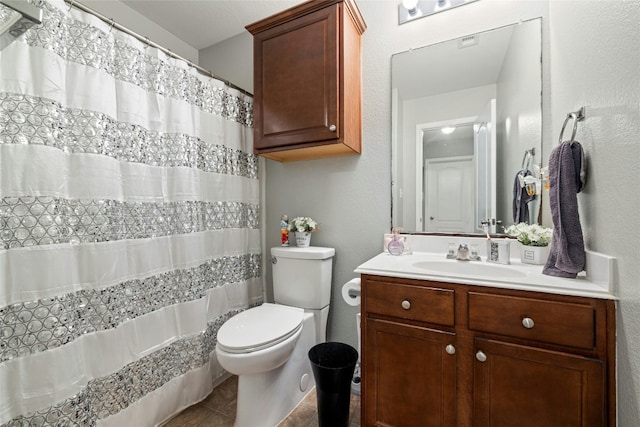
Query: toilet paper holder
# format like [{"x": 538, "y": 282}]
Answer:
[{"x": 351, "y": 292}]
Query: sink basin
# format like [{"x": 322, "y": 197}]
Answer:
[{"x": 469, "y": 268}]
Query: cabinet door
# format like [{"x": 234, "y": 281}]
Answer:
[
  {"x": 296, "y": 82},
  {"x": 527, "y": 387},
  {"x": 410, "y": 375}
]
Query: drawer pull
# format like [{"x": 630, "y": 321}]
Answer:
[
  {"x": 528, "y": 323},
  {"x": 450, "y": 349},
  {"x": 332, "y": 128},
  {"x": 481, "y": 356},
  {"x": 406, "y": 305}
]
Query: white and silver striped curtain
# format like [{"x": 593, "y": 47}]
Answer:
[{"x": 129, "y": 226}]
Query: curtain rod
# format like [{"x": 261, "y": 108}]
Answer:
[{"x": 145, "y": 40}]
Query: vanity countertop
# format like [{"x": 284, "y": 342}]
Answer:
[{"x": 517, "y": 275}]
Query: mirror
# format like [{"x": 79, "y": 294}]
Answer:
[{"x": 466, "y": 121}]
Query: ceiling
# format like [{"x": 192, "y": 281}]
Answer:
[{"x": 202, "y": 23}]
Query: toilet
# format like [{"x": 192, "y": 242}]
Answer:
[{"x": 267, "y": 346}]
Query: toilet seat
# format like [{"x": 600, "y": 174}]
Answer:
[{"x": 259, "y": 327}]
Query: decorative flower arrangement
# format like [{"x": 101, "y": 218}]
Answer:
[
  {"x": 302, "y": 224},
  {"x": 530, "y": 234}
]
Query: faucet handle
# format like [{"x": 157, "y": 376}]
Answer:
[
  {"x": 473, "y": 253},
  {"x": 451, "y": 252}
]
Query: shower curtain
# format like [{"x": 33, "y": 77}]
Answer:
[{"x": 129, "y": 225}]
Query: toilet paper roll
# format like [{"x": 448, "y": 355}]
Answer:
[{"x": 351, "y": 292}]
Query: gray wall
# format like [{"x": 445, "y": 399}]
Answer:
[
  {"x": 124, "y": 15},
  {"x": 595, "y": 62},
  {"x": 232, "y": 60}
]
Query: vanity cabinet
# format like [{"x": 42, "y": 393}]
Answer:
[
  {"x": 307, "y": 100},
  {"x": 409, "y": 377},
  {"x": 443, "y": 354}
]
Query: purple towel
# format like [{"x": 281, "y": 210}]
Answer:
[{"x": 566, "y": 179}]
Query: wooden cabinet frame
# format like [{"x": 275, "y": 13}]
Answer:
[{"x": 307, "y": 84}]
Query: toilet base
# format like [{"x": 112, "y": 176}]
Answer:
[{"x": 265, "y": 399}]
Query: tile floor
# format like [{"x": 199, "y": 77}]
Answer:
[{"x": 219, "y": 408}]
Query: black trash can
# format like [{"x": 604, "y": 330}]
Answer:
[{"x": 333, "y": 364}]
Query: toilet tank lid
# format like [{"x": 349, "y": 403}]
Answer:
[{"x": 312, "y": 252}]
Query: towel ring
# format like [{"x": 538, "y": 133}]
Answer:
[
  {"x": 577, "y": 116},
  {"x": 528, "y": 158}
]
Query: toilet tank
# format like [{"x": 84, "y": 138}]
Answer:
[{"x": 302, "y": 276}]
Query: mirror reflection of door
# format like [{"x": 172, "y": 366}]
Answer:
[
  {"x": 445, "y": 198},
  {"x": 459, "y": 174},
  {"x": 449, "y": 201}
]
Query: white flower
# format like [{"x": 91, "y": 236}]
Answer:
[
  {"x": 303, "y": 224},
  {"x": 530, "y": 235}
]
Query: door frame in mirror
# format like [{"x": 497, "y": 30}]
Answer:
[{"x": 419, "y": 152}]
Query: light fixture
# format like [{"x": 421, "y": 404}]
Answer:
[
  {"x": 16, "y": 17},
  {"x": 441, "y": 5},
  {"x": 448, "y": 130},
  {"x": 413, "y": 9}
]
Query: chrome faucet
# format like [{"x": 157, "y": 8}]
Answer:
[{"x": 463, "y": 252}]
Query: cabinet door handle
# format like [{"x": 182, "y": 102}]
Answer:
[
  {"x": 332, "y": 128},
  {"x": 481, "y": 356},
  {"x": 450, "y": 349},
  {"x": 406, "y": 304},
  {"x": 528, "y": 323}
]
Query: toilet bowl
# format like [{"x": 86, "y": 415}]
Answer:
[
  {"x": 266, "y": 396},
  {"x": 267, "y": 346},
  {"x": 259, "y": 339}
]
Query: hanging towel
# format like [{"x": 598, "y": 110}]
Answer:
[
  {"x": 521, "y": 199},
  {"x": 567, "y": 176}
]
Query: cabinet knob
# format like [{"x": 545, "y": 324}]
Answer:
[
  {"x": 481, "y": 356},
  {"x": 332, "y": 128},
  {"x": 450, "y": 349},
  {"x": 406, "y": 305},
  {"x": 528, "y": 323}
]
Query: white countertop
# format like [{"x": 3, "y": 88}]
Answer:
[{"x": 436, "y": 267}]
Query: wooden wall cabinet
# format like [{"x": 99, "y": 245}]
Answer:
[
  {"x": 442, "y": 354},
  {"x": 307, "y": 85}
]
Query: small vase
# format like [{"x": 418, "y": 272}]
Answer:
[
  {"x": 303, "y": 240},
  {"x": 534, "y": 254}
]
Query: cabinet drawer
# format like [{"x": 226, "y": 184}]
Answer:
[
  {"x": 424, "y": 304},
  {"x": 554, "y": 322}
]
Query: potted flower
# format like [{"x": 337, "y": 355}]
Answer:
[
  {"x": 534, "y": 239},
  {"x": 303, "y": 226}
]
